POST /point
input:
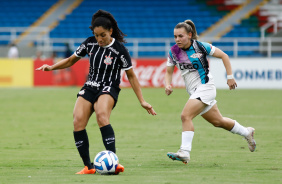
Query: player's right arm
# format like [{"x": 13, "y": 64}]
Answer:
[
  {"x": 64, "y": 63},
  {"x": 168, "y": 79}
]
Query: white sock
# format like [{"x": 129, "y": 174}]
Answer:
[
  {"x": 187, "y": 137},
  {"x": 239, "y": 129}
]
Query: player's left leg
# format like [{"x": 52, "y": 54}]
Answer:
[
  {"x": 103, "y": 108},
  {"x": 214, "y": 117}
]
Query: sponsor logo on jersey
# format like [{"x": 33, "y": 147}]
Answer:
[
  {"x": 81, "y": 92},
  {"x": 92, "y": 84},
  {"x": 92, "y": 43},
  {"x": 114, "y": 50},
  {"x": 196, "y": 55},
  {"x": 186, "y": 66},
  {"x": 108, "y": 60},
  {"x": 80, "y": 48},
  {"x": 123, "y": 61}
]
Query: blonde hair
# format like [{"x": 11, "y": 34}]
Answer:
[{"x": 189, "y": 26}]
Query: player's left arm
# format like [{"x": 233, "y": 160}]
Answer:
[
  {"x": 137, "y": 90},
  {"x": 225, "y": 59}
]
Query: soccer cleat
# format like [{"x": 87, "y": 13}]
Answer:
[
  {"x": 250, "y": 139},
  {"x": 119, "y": 169},
  {"x": 180, "y": 155},
  {"x": 85, "y": 170}
]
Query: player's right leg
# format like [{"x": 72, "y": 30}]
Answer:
[
  {"x": 180, "y": 155},
  {"x": 82, "y": 112},
  {"x": 192, "y": 108}
]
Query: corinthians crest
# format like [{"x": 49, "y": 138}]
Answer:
[{"x": 108, "y": 60}]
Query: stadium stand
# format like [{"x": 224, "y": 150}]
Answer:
[
  {"x": 270, "y": 19},
  {"x": 139, "y": 19},
  {"x": 18, "y": 13},
  {"x": 146, "y": 19},
  {"x": 250, "y": 27},
  {"x": 271, "y": 12}
]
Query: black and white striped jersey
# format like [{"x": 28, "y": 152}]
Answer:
[{"x": 105, "y": 62}]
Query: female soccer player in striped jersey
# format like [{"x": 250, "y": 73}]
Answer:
[
  {"x": 190, "y": 56},
  {"x": 107, "y": 56}
]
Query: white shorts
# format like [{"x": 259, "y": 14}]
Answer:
[{"x": 207, "y": 94}]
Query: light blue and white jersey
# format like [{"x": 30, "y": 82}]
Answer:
[{"x": 192, "y": 63}]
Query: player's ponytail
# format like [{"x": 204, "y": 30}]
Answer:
[
  {"x": 107, "y": 21},
  {"x": 189, "y": 27},
  {"x": 194, "y": 31}
]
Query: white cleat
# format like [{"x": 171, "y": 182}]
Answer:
[
  {"x": 180, "y": 155},
  {"x": 250, "y": 139}
]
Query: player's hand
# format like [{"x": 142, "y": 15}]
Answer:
[
  {"x": 149, "y": 108},
  {"x": 231, "y": 83},
  {"x": 44, "y": 67},
  {"x": 168, "y": 90}
]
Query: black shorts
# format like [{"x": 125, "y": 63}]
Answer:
[{"x": 92, "y": 94}]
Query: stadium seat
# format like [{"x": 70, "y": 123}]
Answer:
[
  {"x": 18, "y": 13},
  {"x": 141, "y": 18}
]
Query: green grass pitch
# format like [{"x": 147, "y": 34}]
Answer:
[{"x": 37, "y": 143}]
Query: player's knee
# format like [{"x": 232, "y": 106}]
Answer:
[
  {"x": 102, "y": 119},
  {"x": 78, "y": 123},
  {"x": 185, "y": 117}
]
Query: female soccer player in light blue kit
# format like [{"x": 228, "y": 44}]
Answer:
[{"x": 190, "y": 57}]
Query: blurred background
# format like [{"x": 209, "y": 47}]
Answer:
[{"x": 34, "y": 32}]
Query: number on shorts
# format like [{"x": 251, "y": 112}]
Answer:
[{"x": 106, "y": 89}]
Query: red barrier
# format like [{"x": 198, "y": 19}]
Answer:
[
  {"x": 42, "y": 78},
  {"x": 73, "y": 76},
  {"x": 150, "y": 73},
  {"x": 79, "y": 72}
]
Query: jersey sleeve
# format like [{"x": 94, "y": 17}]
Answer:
[
  {"x": 81, "y": 50},
  {"x": 125, "y": 59},
  {"x": 209, "y": 48},
  {"x": 170, "y": 61}
]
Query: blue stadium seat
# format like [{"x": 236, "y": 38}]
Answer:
[
  {"x": 134, "y": 17},
  {"x": 137, "y": 19},
  {"x": 18, "y": 13}
]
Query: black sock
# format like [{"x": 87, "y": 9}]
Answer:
[
  {"x": 82, "y": 145},
  {"x": 108, "y": 137}
]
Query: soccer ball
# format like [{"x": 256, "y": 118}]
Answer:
[{"x": 106, "y": 162}]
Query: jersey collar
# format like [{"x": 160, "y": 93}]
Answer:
[
  {"x": 110, "y": 43},
  {"x": 189, "y": 46}
]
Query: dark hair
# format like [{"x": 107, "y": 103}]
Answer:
[
  {"x": 107, "y": 21},
  {"x": 189, "y": 27}
]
